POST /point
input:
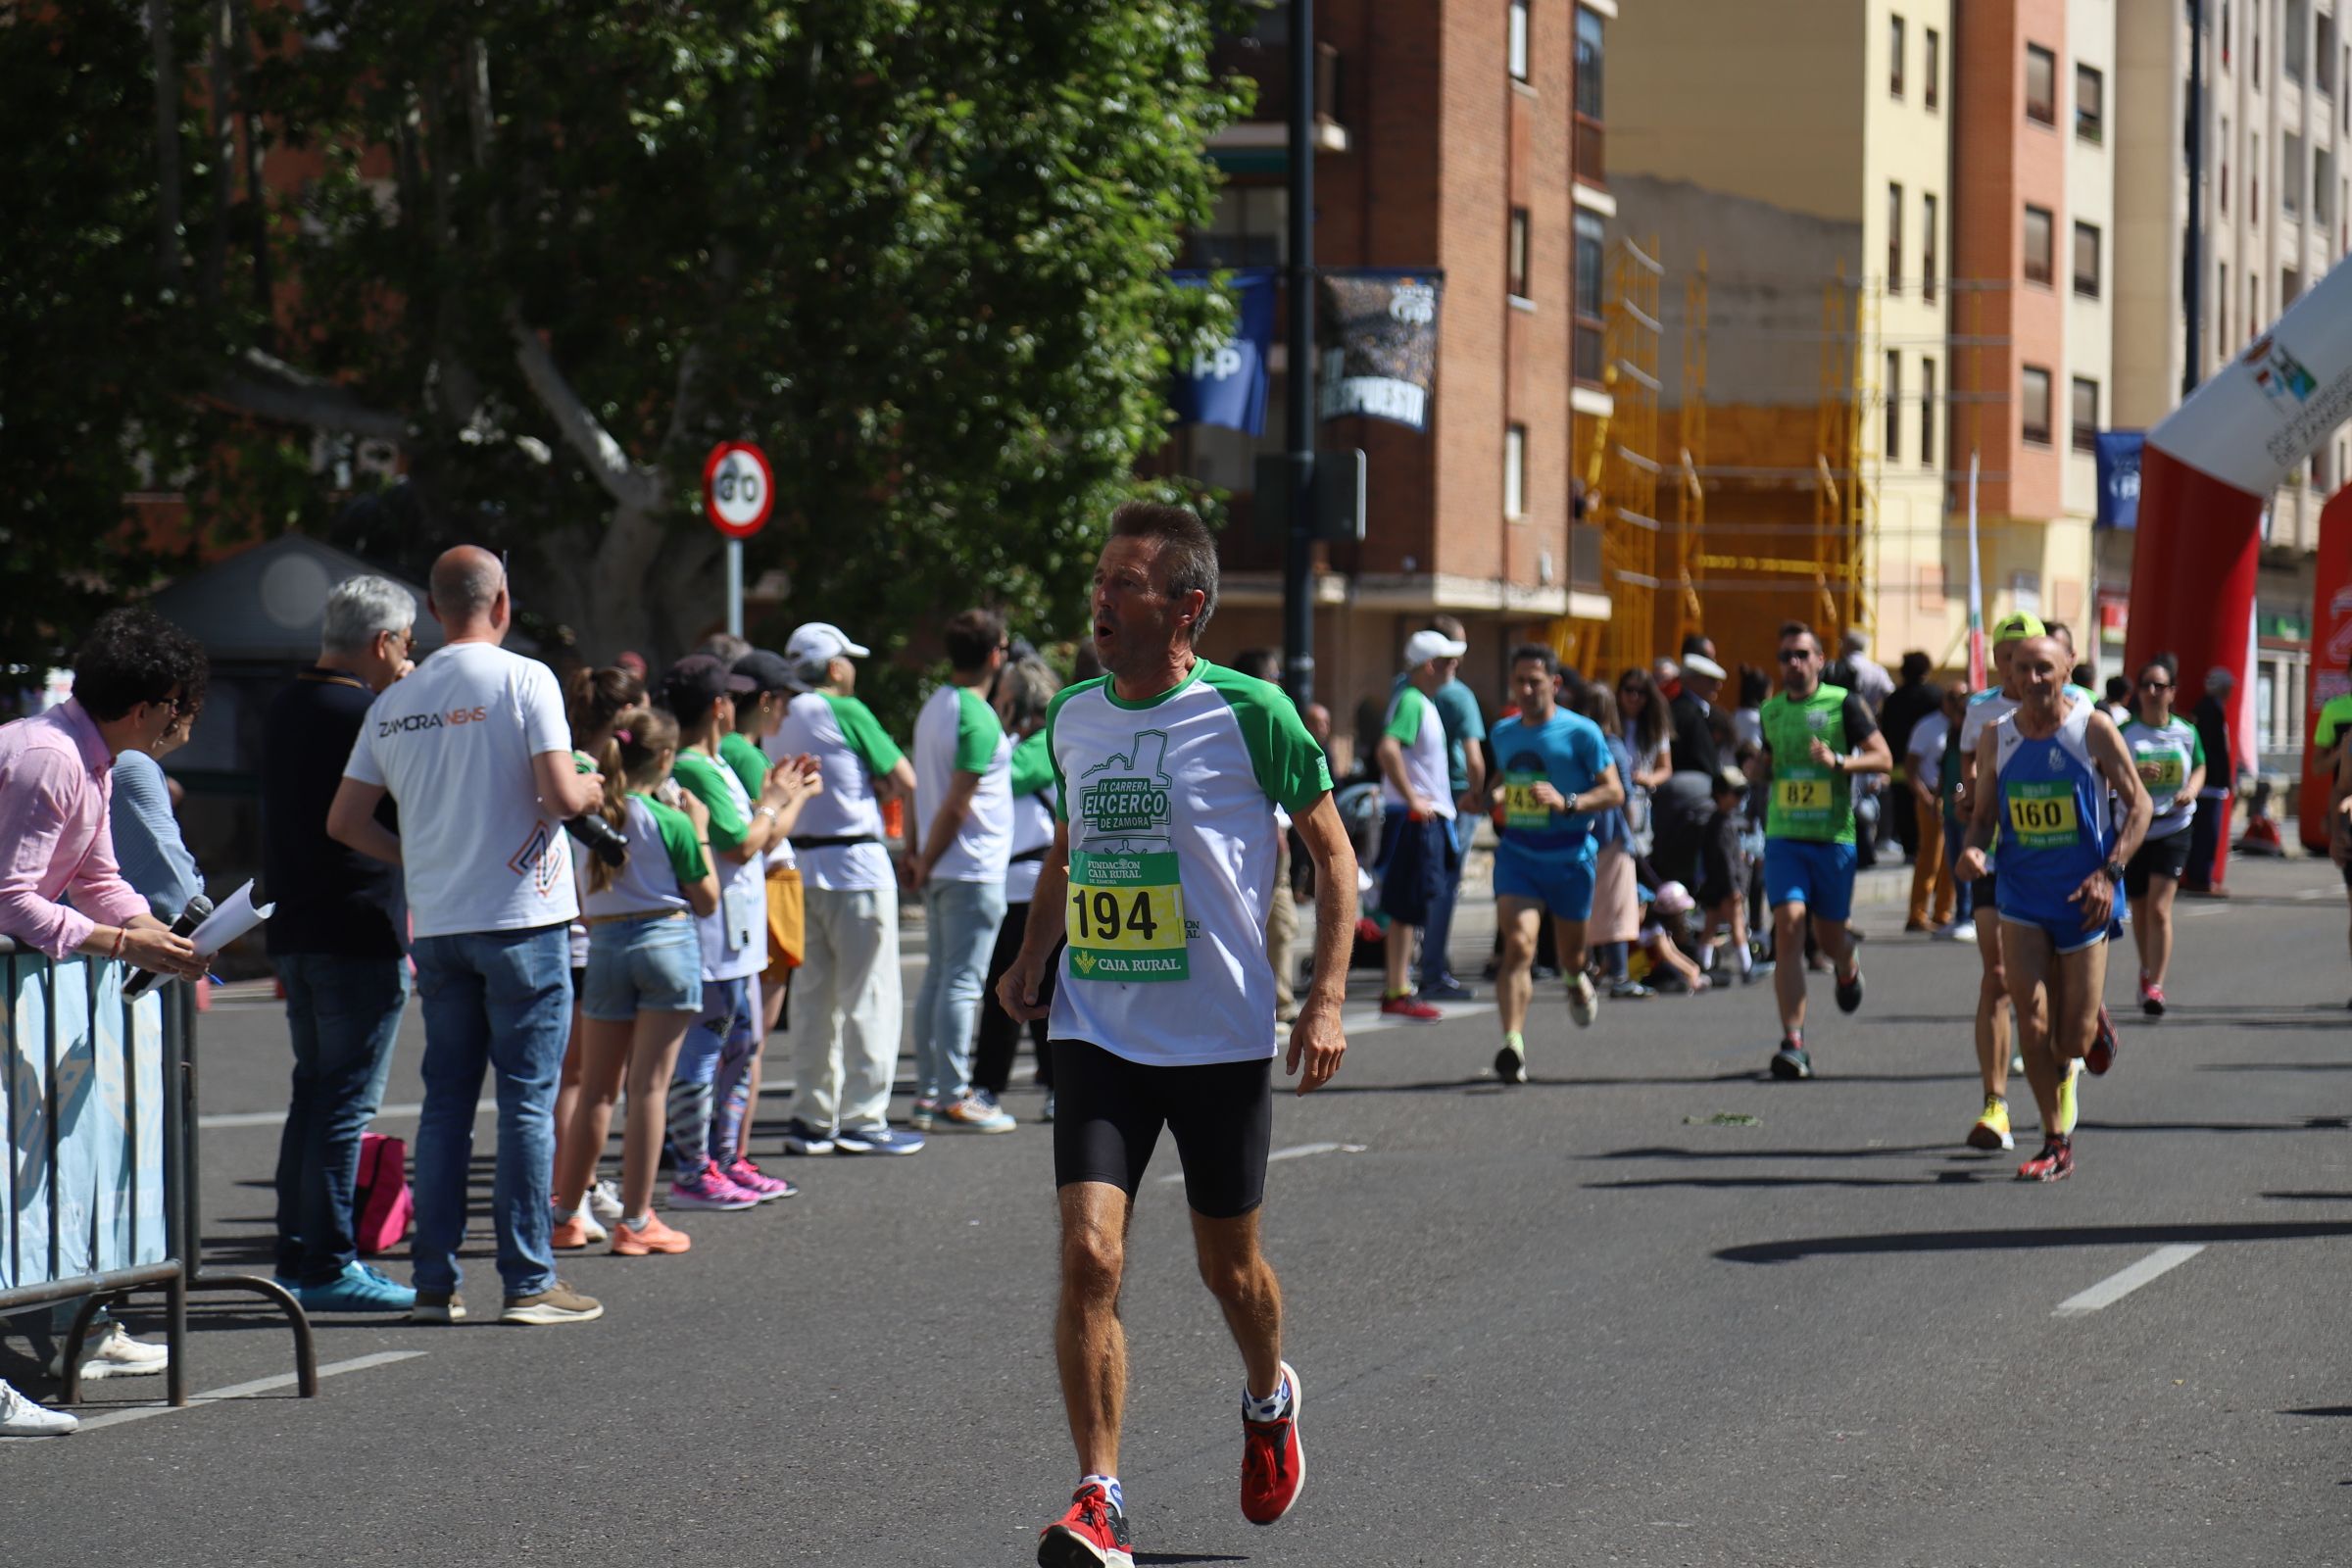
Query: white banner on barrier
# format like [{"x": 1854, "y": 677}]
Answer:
[
  {"x": 109, "y": 1169},
  {"x": 2262, "y": 413}
]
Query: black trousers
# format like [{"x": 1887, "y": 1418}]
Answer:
[{"x": 1000, "y": 1037}]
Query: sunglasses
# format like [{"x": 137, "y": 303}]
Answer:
[
  {"x": 1795, "y": 656},
  {"x": 2155, "y": 685}
]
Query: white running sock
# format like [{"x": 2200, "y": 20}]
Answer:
[
  {"x": 1111, "y": 1487},
  {"x": 637, "y": 1222},
  {"x": 1273, "y": 1408}
]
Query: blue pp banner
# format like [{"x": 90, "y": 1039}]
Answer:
[
  {"x": 2118, "y": 459},
  {"x": 1227, "y": 384}
]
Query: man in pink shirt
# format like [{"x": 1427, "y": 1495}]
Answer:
[{"x": 133, "y": 678}]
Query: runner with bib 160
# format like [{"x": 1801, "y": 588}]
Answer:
[
  {"x": 1167, "y": 772},
  {"x": 1816, "y": 738}
]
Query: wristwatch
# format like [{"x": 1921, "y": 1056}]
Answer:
[{"x": 2115, "y": 871}]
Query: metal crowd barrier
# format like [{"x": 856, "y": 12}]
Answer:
[{"x": 99, "y": 1196}]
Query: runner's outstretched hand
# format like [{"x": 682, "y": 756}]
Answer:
[{"x": 1315, "y": 1040}]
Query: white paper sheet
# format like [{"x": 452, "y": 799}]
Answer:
[{"x": 230, "y": 919}]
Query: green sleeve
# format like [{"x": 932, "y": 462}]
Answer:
[
  {"x": 739, "y": 754},
  {"x": 1032, "y": 764},
  {"x": 698, "y": 776},
  {"x": 865, "y": 734},
  {"x": 1404, "y": 715},
  {"x": 677, "y": 839},
  {"x": 977, "y": 732},
  {"x": 1062, "y": 786},
  {"x": 1289, "y": 766}
]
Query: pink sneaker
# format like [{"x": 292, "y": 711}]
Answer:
[
  {"x": 751, "y": 1179},
  {"x": 708, "y": 1188}
]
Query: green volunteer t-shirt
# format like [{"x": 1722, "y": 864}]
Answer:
[
  {"x": 678, "y": 843},
  {"x": 1032, "y": 764},
  {"x": 2335, "y": 717},
  {"x": 700, "y": 775},
  {"x": 863, "y": 733},
  {"x": 739, "y": 754}
]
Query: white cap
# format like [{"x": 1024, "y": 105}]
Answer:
[
  {"x": 1423, "y": 645},
  {"x": 821, "y": 640},
  {"x": 1701, "y": 665},
  {"x": 1674, "y": 898}
]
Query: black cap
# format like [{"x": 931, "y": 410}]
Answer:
[
  {"x": 765, "y": 670},
  {"x": 691, "y": 685}
]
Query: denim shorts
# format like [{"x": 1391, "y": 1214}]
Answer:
[{"x": 649, "y": 965}]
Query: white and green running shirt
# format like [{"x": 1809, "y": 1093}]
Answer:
[
  {"x": 957, "y": 732},
  {"x": 2166, "y": 755},
  {"x": 1417, "y": 727},
  {"x": 852, "y": 750},
  {"x": 1170, "y": 805}
]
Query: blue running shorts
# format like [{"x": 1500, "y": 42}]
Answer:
[
  {"x": 1562, "y": 886},
  {"x": 1820, "y": 877}
]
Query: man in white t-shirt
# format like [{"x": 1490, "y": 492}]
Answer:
[
  {"x": 846, "y": 996},
  {"x": 1418, "y": 854},
  {"x": 475, "y": 751},
  {"x": 1167, "y": 774},
  {"x": 958, "y": 843}
]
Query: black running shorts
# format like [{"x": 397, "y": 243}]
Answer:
[
  {"x": 1108, "y": 1114},
  {"x": 2165, "y": 857}
]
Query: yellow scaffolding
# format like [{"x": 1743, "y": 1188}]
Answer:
[
  {"x": 1690, "y": 496},
  {"x": 1629, "y": 464}
]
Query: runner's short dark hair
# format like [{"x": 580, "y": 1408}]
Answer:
[
  {"x": 1539, "y": 653},
  {"x": 133, "y": 657},
  {"x": 973, "y": 636},
  {"x": 1188, "y": 552},
  {"x": 1798, "y": 628}
]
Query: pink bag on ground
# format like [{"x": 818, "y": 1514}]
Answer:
[{"x": 380, "y": 1203}]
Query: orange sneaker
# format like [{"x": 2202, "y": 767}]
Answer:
[
  {"x": 654, "y": 1238},
  {"x": 570, "y": 1235}
]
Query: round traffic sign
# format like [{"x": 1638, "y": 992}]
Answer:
[{"x": 739, "y": 489}]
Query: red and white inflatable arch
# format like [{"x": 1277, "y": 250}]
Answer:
[{"x": 2205, "y": 475}]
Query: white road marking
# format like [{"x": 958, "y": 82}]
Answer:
[
  {"x": 1370, "y": 1021},
  {"x": 2116, "y": 1286},
  {"x": 273, "y": 1118},
  {"x": 239, "y": 1391},
  {"x": 1295, "y": 1152}
]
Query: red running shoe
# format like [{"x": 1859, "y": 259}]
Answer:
[
  {"x": 1273, "y": 1465},
  {"x": 2056, "y": 1162},
  {"x": 2105, "y": 1046},
  {"x": 1410, "y": 1007},
  {"x": 1092, "y": 1534}
]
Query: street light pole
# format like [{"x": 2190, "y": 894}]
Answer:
[
  {"x": 1298, "y": 566},
  {"x": 2192, "y": 261}
]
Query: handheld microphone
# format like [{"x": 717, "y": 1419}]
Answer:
[{"x": 189, "y": 919}]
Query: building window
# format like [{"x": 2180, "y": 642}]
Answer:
[
  {"x": 2221, "y": 304},
  {"x": 2035, "y": 420},
  {"x": 1514, "y": 471},
  {"x": 2291, "y": 42},
  {"x": 1249, "y": 229},
  {"x": 2253, "y": 305},
  {"x": 2038, "y": 244},
  {"x": 2086, "y": 260},
  {"x": 2086, "y": 414},
  {"x": 2223, "y": 186},
  {"x": 1518, "y": 44},
  {"x": 1518, "y": 253},
  {"x": 2290, "y": 288},
  {"x": 2254, "y": 43},
  {"x": 1895, "y": 57},
  {"x": 1927, "y": 247},
  {"x": 1930, "y": 84},
  {"x": 2253, "y": 176},
  {"x": 2041, "y": 85},
  {"x": 2323, "y": 55},
  {"x": 1894, "y": 405},
  {"x": 1589, "y": 56},
  {"x": 1926, "y": 414},
  {"x": 1591, "y": 242},
  {"x": 1894, "y": 239},
  {"x": 2290, "y": 174},
  {"x": 2090, "y": 104},
  {"x": 2323, "y": 185},
  {"x": 2225, "y": 34}
]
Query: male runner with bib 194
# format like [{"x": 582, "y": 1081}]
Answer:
[
  {"x": 2052, "y": 765},
  {"x": 1167, "y": 771},
  {"x": 1816, "y": 738}
]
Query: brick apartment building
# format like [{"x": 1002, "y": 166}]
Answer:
[{"x": 1464, "y": 138}]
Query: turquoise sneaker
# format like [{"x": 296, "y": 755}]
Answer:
[{"x": 358, "y": 1289}]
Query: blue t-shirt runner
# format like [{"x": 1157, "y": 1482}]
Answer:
[{"x": 1545, "y": 853}]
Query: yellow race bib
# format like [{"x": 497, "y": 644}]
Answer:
[
  {"x": 1126, "y": 918},
  {"x": 1802, "y": 793}
]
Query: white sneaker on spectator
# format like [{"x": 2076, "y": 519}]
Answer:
[
  {"x": 111, "y": 1352},
  {"x": 19, "y": 1417},
  {"x": 604, "y": 1203}
]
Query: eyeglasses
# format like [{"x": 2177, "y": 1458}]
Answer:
[{"x": 2155, "y": 685}]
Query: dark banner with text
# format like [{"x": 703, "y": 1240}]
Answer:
[{"x": 1380, "y": 345}]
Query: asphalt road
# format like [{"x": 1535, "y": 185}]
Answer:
[{"x": 1649, "y": 1308}]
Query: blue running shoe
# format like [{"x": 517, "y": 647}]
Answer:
[{"x": 360, "y": 1288}]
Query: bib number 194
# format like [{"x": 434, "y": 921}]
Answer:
[{"x": 1126, "y": 918}]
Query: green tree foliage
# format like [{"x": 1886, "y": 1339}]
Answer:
[{"x": 553, "y": 252}]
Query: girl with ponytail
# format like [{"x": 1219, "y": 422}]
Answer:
[{"x": 643, "y": 983}]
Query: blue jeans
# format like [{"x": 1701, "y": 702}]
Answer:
[
  {"x": 496, "y": 1001},
  {"x": 1436, "y": 969},
  {"x": 342, "y": 1014},
  {"x": 961, "y": 928}
]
